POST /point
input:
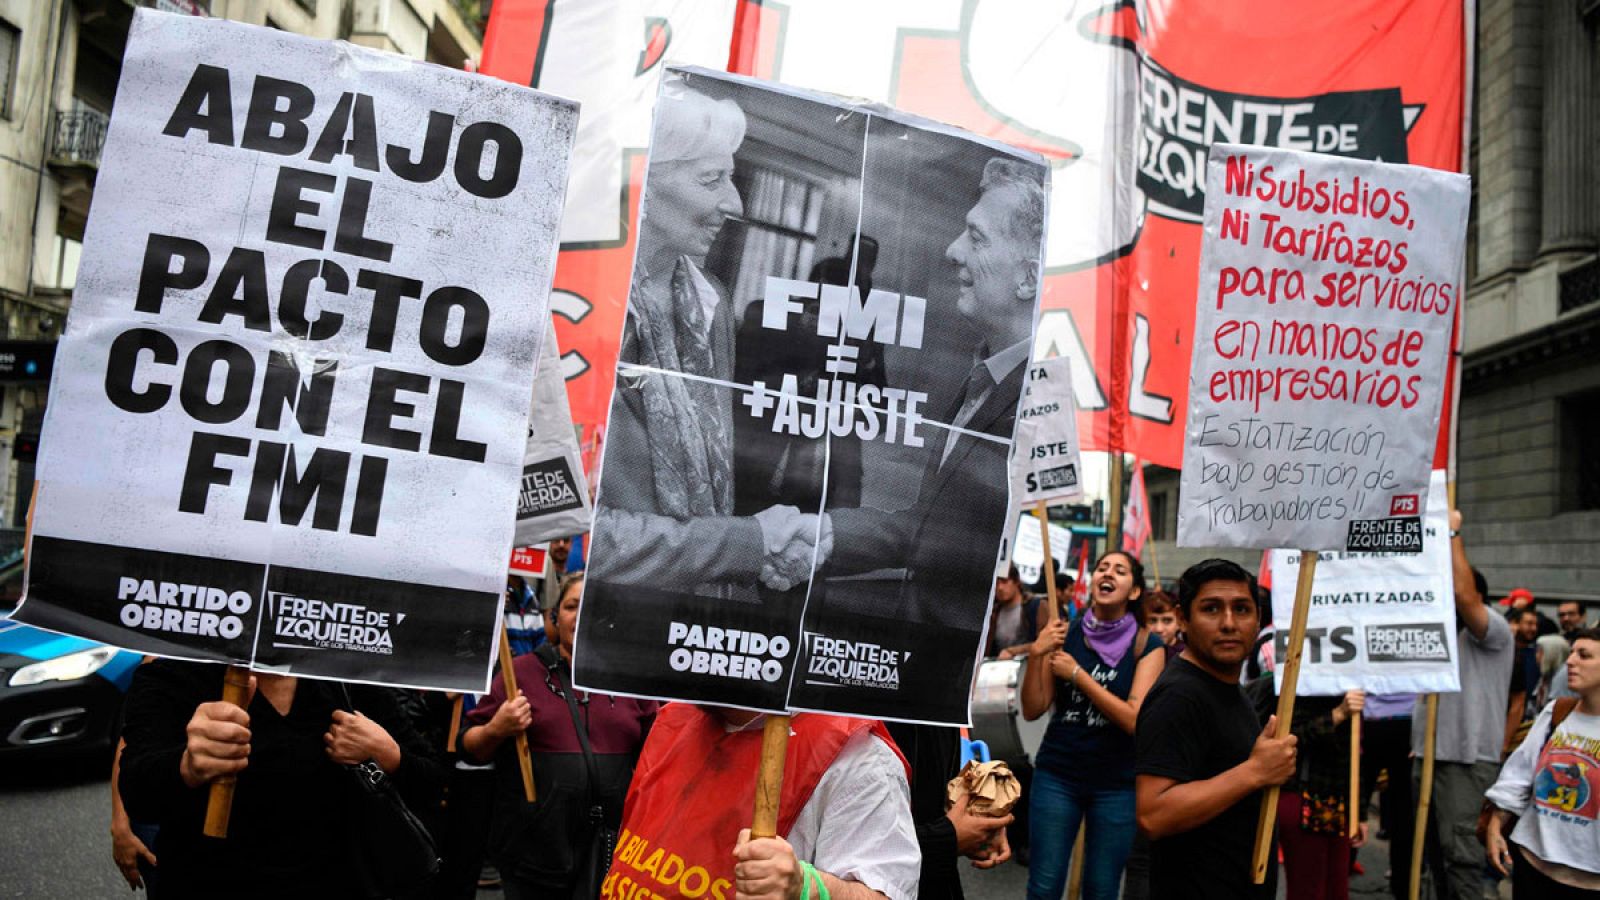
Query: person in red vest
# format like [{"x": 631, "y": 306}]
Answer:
[{"x": 844, "y": 816}]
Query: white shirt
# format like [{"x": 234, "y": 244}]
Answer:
[
  {"x": 1555, "y": 787},
  {"x": 857, "y": 825}
]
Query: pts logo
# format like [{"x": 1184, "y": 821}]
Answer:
[{"x": 1404, "y": 505}]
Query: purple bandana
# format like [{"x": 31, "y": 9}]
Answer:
[{"x": 1110, "y": 640}]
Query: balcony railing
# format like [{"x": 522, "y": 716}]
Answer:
[{"x": 80, "y": 135}]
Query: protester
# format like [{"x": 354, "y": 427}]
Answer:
[
  {"x": 542, "y": 849},
  {"x": 1470, "y": 731},
  {"x": 1572, "y": 616},
  {"x": 680, "y": 430},
  {"x": 1524, "y": 684},
  {"x": 1551, "y": 786},
  {"x": 1097, "y": 673},
  {"x": 1014, "y": 619},
  {"x": 1386, "y": 748},
  {"x": 1161, "y": 619},
  {"x": 1313, "y": 808},
  {"x": 291, "y": 826},
  {"x": 844, "y": 813},
  {"x": 1522, "y": 598},
  {"x": 556, "y": 554},
  {"x": 524, "y": 625},
  {"x": 1202, "y": 755},
  {"x": 933, "y": 754}
]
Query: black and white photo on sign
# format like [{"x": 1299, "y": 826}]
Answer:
[{"x": 830, "y": 317}]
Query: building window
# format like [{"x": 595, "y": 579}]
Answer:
[
  {"x": 10, "y": 47},
  {"x": 1158, "y": 516},
  {"x": 1580, "y": 464},
  {"x": 62, "y": 272}
]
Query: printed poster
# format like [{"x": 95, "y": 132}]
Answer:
[
  {"x": 1328, "y": 291},
  {"x": 1380, "y": 622},
  {"x": 804, "y": 484},
  {"x": 288, "y": 416}
]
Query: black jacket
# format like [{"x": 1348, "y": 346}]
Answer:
[{"x": 935, "y": 755}]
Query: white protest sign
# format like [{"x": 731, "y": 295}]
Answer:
[
  {"x": 1045, "y": 463},
  {"x": 1028, "y": 556},
  {"x": 289, "y": 412},
  {"x": 1328, "y": 288},
  {"x": 553, "y": 501},
  {"x": 1381, "y": 622}
]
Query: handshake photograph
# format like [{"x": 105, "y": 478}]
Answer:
[{"x": 823, "y": 352}]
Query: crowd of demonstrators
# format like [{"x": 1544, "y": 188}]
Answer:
[
  {"x": 1096, "y": 672},
  {"x": 1015, "y": 618},
  {"x": 1550, "y": 788}
]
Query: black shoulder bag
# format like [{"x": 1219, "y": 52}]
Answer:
[
  {"x": 592, "y": 868},
  {"x": 391, "y": 852}
]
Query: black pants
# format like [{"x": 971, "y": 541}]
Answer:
[
  {"x": 1386, "y": 744},
  {"x": 468, "y": 805},
  {"x": 1528, "y": 883}
]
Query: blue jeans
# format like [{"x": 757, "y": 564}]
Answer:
[{"x": 1055, "y": 807}]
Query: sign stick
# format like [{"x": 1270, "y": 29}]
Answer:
[
  {"x": 1355, "y": 773},
  {"x": 769, "y": 778},
  {"x": 219, "y": 802},
  {"x": 455, "y": 724},
  {"x": 1291, "y": 675},
  {"x": 509, "y": 676},
  {"x": 1425, "y": 798},
  {"x": 1114, "y": 504},
  {"x": 1042, "y": 512}
]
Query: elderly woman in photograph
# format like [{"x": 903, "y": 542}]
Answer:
[{"x": 666, "y": 511}]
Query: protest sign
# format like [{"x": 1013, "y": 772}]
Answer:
[
  {"x": 804, "y": 485},
  {"x": 1379, "y": 622},
  {"x": 553, "y": 499},
  {"x": 1028, "y": 556},
  {"x": 528, "y": 561},
  {"x": 1136, "y": 526},
  {"x": 289, "y": 411},
  {"x": 1328, "y": 289},
  {"x": 1045, "y": 467}
]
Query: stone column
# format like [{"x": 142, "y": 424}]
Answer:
[{"x": 1570, "y": 215}]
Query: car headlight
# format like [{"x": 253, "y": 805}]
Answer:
[{"x": 70, "y": 667}]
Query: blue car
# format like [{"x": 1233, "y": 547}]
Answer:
[{"x": 58, "y": 694}]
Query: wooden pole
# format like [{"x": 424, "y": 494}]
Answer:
[
  {"x": 1042, "y": 512},
  {"x": 769, "y": 778},
  {"x": 1355, "y": 774},
  {"x": 1114, "y": 502},
  {"x": 219, "y": 803},
  {"x": 508, "y": 676},
  {"x": 455, "y": 724},
  {"x": 1419, "y": 830},
  {"x": 1291, "y": 675}
]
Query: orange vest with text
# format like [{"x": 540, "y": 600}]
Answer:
[{"x": 694, "y": 789}]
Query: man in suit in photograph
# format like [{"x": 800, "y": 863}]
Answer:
[{"x": 949, "y": 568}]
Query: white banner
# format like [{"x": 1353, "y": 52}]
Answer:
[
  {"x": 1028, "y": 556},
  {"x": 554, "y": 498},
  {"x": 289, "y": 412},
  {"x": 1328, "y": 288},
  {"x": 1045, "y": 462},
  {"x": 1381, "y": 622}
]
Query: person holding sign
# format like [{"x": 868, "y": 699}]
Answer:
[
  {"x": 541, "y": 849},
  {"x": 1313, "y": 813},
  {"x": 680, "y": 429},
  {"x": 1096, "y": 673},
  {"x": 291, "y": 826},
  {"x": 1202, "y": 756},
  {"x": 1552, "y": 782},
  {"x": 844, "y": 814}
]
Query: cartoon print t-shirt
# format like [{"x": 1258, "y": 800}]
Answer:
[{"x": 1554, "y": 786}]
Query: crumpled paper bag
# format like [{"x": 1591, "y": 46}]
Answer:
[{"x": 992, "y": 786}]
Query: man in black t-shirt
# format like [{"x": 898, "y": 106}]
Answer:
[{"x": 1202, "y": 757}]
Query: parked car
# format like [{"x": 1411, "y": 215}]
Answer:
[{"x": 58, "y": 694}]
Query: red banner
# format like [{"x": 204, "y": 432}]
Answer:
[{"x": 1125, "y": 99}]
